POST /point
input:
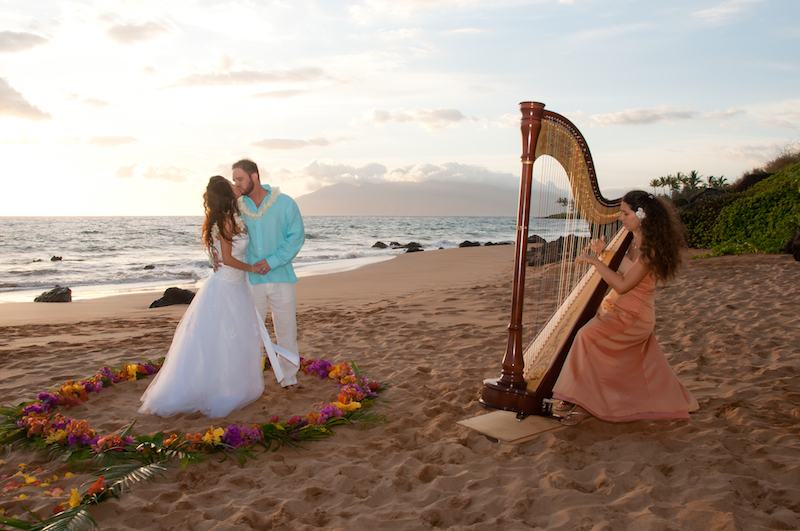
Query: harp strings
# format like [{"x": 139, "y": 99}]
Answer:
[{"x": 566, "y": 208}]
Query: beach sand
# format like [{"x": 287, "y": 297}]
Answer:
[{"x": 433, "y": 325}]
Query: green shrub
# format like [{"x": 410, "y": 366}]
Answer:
[
  {"x": 702, "y": 218},
  {"x": 761, "y": 218}
]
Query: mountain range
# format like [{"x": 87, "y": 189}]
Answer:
[{"x": 428, "y": 198}]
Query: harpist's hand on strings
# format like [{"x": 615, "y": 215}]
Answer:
[
  {"x": 587, "y": 258},
  {"x": 597, "y": 246}
]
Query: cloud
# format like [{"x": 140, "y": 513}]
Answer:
[
  {"x": 643, "y": 116},
  {"x": 167, "y": 173},
  {"x": 723, "y": 115},
  {"x": 278, "y": 94},
  {"x": 723, "y": 11},
  {"x": 14, "y": 104},
  {"x": 88, "y": 100},
  {"x": 111, "y": 141},
  {"x": 125, "y": 172},
  {"x": 129, "y": 34},
  {"x": 748, "y": 154},
  {"x": 430, "y": 119},
  {"x": 250, "y": 77},
  {"x": 318, "y": 174},
  {"x": 289, "y": 143},
  {"x": 15, "y": 42},
  {"x": 463, "y": 31}
]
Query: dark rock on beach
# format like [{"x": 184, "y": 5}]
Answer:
[
  {"x": 555, "y": 251},
  {"x": 57, "y": 294},
  {"x": 467, "y": 243},
  {"x": 487, "y": 244},
  {"x": 149, "y": 266},
  {"x": 55, "y": 258},
  {"x": 413, "y": 247},
  {"x": 536, "y": 239},
  {"x": 379, "y": 245},
  {"x": 174, "y": 296}
]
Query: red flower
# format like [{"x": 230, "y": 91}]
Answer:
[{"x": 97, "y": 486}]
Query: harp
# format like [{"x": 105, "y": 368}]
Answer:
[{"x": 528, "y": 376}]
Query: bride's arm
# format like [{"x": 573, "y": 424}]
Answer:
[{"x": 227, "y": 257}]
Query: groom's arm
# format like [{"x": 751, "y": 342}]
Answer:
[{"x": 294, "y": 237}]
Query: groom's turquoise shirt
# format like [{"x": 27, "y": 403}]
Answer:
[{"x": 276, "y": 235}]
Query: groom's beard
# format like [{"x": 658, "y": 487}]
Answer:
[{"x": 249, "y": 188}]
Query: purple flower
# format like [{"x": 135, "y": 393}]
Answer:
[
  {"x": 49, "y": 400},
  {"x": 320, "y": 368},
  {"x": 34, "y": 408},
  {"x": 328, "y": 412},
  {"x": 233, "y": 436},
  {"x": 76, "y": 440}
]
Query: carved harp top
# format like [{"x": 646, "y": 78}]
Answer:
[{"x": 560, "y": 139}]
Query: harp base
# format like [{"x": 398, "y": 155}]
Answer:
[{"x": 498, "y": 396}]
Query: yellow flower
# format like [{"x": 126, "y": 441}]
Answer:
[
  {"x": 21, "y": 465},
  {"x": 68, "y": 475},
  {"x": 74, "y": 499},
  {"x": 213, "y": 436},
  {"x": 350, "y": 406},
  {"x": 22, "y": 497},
  {"x": 131, "y": 371},
  {"x": 29, "y": 480},
  {"x": 55, "y": 437}
]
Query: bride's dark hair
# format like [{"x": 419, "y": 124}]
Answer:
[{"x": 220, "y": 205}]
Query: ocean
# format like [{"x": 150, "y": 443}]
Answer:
[{"x": 101, "y": 256}]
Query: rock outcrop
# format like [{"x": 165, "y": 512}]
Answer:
[
  {"x": 57, "y": 294},
  {"x": 174, "y": 296}
]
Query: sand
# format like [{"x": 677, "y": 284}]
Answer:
[{"x": 433, "y": 325}]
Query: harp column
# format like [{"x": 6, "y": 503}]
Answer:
[{"x": 509, "y": 391}]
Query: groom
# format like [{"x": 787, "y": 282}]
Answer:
[{"x": 276, "y": 235}]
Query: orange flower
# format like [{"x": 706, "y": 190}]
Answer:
[{"x": 97, "y": 486}]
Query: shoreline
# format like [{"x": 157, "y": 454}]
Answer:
[
  {"x": 82, "y": 293},
  {"x": 409, "y": 272}
]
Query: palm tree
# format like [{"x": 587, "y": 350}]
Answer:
[
  {"x": 663, "y": 182},
  {"x": 563, "y": 201},
  {"x": 693, "y": 180},
  {"x": 655, "y": 183},
  {"x": 712, "y": 182}
]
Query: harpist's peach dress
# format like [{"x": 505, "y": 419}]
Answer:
[{"x": 615, "y": 368}]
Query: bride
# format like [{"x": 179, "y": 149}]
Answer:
[{"x": 214, "y": 364}]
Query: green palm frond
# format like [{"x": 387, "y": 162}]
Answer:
[
  {"x": 76, "y": 519},
  {"x": 118, "y": 477},
  {"x": 14, "y": 523}
]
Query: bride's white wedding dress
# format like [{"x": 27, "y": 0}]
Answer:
[{"x": 214, "y": 363}]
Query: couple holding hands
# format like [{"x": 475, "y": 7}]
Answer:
[{"x": 214, "y": 364}]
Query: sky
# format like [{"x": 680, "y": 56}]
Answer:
[{"x": 127, "y": 107}]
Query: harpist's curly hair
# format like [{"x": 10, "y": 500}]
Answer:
[
  {"x": 663, "y": 234},
  {"x": 220, "y": 205}
]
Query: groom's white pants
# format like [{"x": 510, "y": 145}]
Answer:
[{"x": 281, "y": 298}]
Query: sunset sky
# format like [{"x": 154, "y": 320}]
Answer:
[{"x": 126, "y": 107}]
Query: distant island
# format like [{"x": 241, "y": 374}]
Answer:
[{"x": 429, "y": 198}]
